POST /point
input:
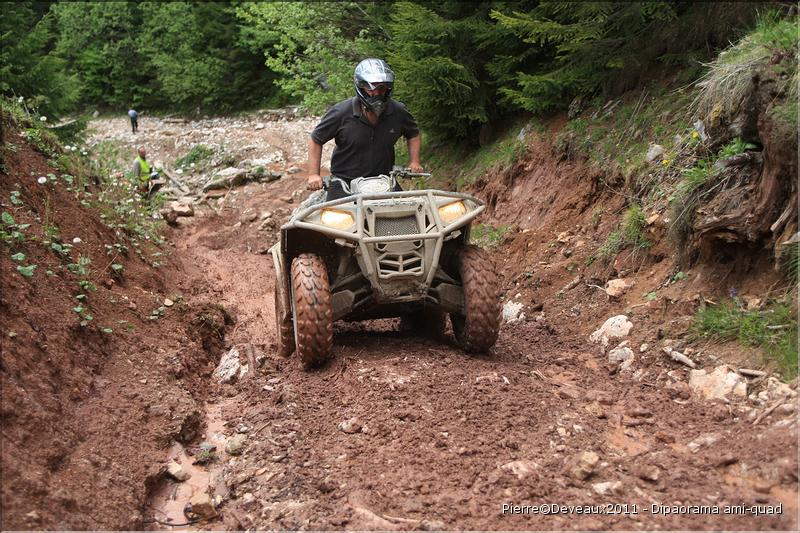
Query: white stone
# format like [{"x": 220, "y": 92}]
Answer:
[
  {"x": 230, "y": 368},
  {"x": 644, "y": 347},
  {"x": 606, "y": 487},
  {"x": 776, "y": 390},
  {"x": 654, "y": 152},
  {"x": 615, "y": 327},
  {"x": 622, "y": 355},
  {"x": 719, "y": 384},
  {"x": 522, "y": 469},
  {"x": 512, "y": 311},
  {"x": 702, "y": 441}
]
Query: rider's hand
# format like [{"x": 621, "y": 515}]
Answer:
[
  {"x": 415, "y": 167},
  {"x": 314, "y": 182}
]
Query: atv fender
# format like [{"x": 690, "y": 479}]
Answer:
[{"x": 281, "y": 282}]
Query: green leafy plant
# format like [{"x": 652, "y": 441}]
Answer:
[
  {"x": 11, "y": 231},
  {"x": 735, "y": 147},
  {"x": 26, "y": 271}
]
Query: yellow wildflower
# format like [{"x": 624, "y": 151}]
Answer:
[{"x": 695, "y": 135}]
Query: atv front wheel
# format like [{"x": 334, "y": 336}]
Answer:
[
  {"x": 476, "y": 330},
  {"x": 311, "y": 309},
  {"x": 284, "y": 328}
]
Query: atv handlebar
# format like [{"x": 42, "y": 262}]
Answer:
[{"x": 396, "y": 172}]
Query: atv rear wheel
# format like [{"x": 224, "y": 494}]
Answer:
[
  {"x": 311, "y": 309},
  {"x": 476, "y": 330},
  {"x": 284, "y": 328}
]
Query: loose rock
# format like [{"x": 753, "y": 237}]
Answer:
[
  {"x": 235, "y": 445},
  {"x": 654, "y": 152},
  {"x": 624, "y": 356},
  {"x": 351, "y": 425},
  {"x": 512, "y": 311},
  {"x": 615, "y": 327},
  {"x": 719, "y": 384},
  {"x": 177, "y": 472},
  {"x": 702, "y": 441},
  {"x": 522, "y": 469},
  {"x": 615, "y": 288},
  {"x": 202, "y": 506},
  {"x": 582, "y": 465},
  {"x": 607, "y": 487},
  {"x": 230, "y": 368}
]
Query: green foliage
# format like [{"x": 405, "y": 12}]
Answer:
[
  {"x": 735, "y": 147},
  {"x": 773, "y": 330},
  {"x": 450, "y": 64},
  {"x": 199, "y": 154},
  {"x": 313, "y": 46},
  {"x": 488, "y": 236},
  {"x": 630, "y": 233},
  {"x": 609, "y": 46},
  {"x": 28, "y": 66},
  {"x": 27, "y": 270}
]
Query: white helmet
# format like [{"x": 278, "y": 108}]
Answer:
[{"x": 373, "y": 74}]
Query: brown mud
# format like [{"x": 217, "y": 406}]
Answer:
[{"x": 435, "y": 438}]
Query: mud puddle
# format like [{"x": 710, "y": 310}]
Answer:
[{"x": 202, "y": 463}]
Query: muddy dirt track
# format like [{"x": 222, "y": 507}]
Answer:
[
  {"x": 437, "y": 439},
  {"x": 398, "y": 432}
]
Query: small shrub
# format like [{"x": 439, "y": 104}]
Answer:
[
  {"x": 735, "y": 147},
  {"x": 199, "y": 154}
]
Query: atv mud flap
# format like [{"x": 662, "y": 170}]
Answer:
[{"x": 281, "y": 282}]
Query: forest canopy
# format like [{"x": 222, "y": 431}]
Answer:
[{"x": 459, "y": 65}]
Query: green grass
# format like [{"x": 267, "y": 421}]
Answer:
[
  {"x": 630, "y": 233},
  {"x": 488, "y": 236},
  {"x": 773, "y": 330},
  {"x": 460, "y": 165},
  {"x": 725, "y": 85},
  {"x": 199, "y": 154}
]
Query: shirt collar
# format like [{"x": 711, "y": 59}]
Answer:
[{"x": 357, "y": 107}]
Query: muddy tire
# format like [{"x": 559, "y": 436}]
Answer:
[
  {"x": 284, "y": 328},
  {"x": 476, "y": 330},
  {"x": 428, "y": 322},
  {"x": 311, "y": 308}
]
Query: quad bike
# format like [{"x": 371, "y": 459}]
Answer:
[{"x": 378, "y": 254}]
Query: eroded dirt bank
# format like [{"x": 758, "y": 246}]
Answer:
[{"x": 399, "y": 432}]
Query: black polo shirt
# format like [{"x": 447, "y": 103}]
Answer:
[{"x": 361, "y": 148}]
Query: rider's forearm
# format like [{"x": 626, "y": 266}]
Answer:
[
  {"x": 414, "y": 147},
  {"x": 314, "y": 156}
]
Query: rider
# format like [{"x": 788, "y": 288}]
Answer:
[{"x": 365, "y": 128}]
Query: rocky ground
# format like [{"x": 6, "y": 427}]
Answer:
[{"x": 586, "y": 400}]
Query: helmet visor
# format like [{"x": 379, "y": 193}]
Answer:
[{"x": 374, "y": 89}]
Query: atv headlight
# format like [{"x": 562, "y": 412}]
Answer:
[
  {"x": 336, "y": 219},
  {"x": 452, "y": 212}
]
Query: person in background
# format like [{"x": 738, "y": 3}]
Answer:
[
  {"x": 365, "y": 128},
  {"x": 134, "y": 116},
  {"x": 141, "y": 170}
]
